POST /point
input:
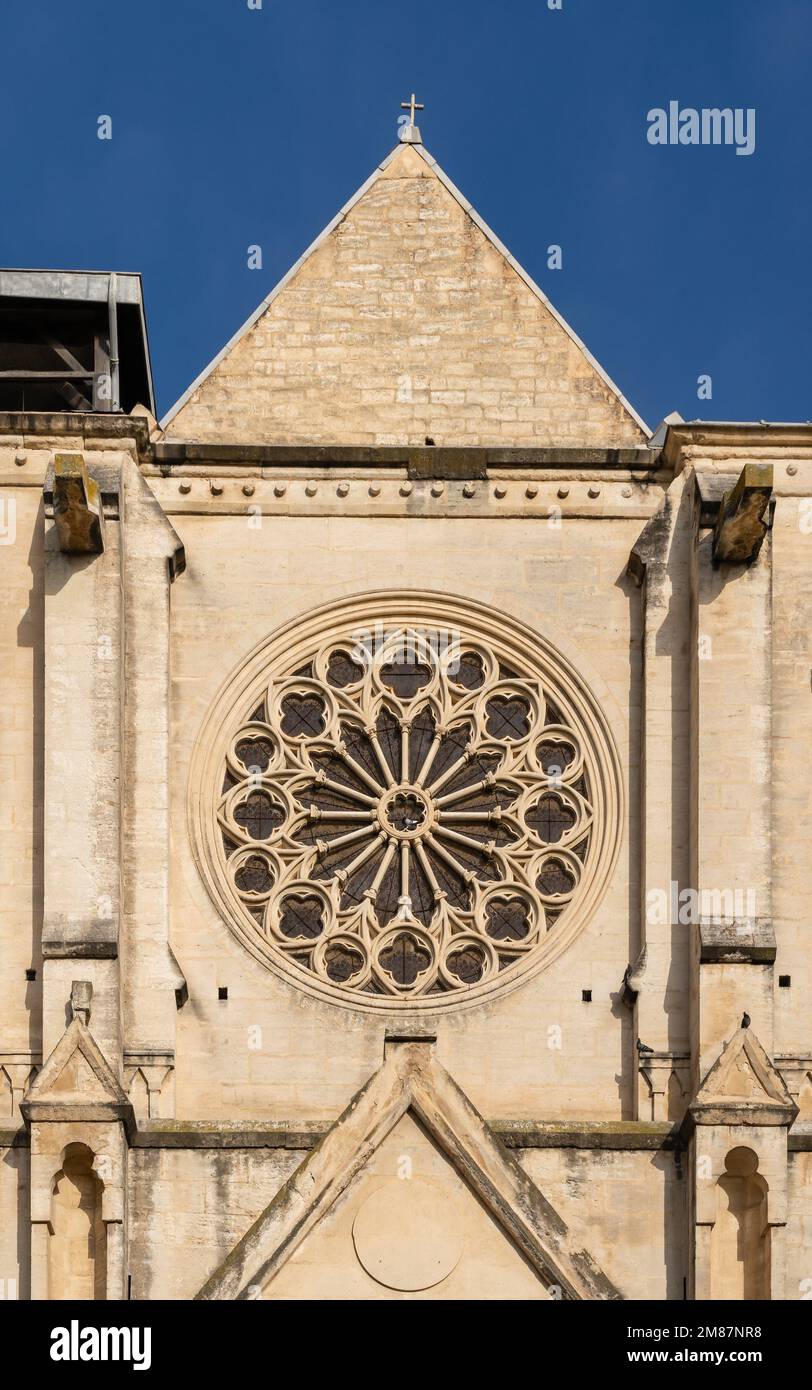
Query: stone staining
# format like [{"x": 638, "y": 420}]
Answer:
[
  {"x": 77, "y": 1237},
  {"x": 388, "y": 818}
]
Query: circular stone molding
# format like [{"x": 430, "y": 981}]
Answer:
[
  {"x": 408, "y": 1235},
  {"x": 405, "y": 800}
]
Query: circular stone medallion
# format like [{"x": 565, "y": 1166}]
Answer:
[{"x": 409, "y": 1234}]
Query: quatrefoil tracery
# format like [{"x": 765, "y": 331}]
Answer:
[{"x": 405, "y": 821}]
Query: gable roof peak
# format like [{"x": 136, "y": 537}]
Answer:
[
  {"x": 77, "y": 1075},
  {"x": 399, "y": 283},
  {"x": 743, "y": 1086},
  {"x": 411, "y": 1079}
]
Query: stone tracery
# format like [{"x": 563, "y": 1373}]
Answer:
[{"x": 404, "y": 818}]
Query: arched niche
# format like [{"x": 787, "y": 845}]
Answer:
[
  {"x": 740, "y": 1240},
  {"x": 77, "y": 1248}
]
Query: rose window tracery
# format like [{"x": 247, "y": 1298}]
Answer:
[{"x": 404, "y": 816}]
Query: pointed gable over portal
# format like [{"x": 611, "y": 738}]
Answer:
[
  {"x": 407, "y": 318},
  {"x": 409, "y": 1238}
]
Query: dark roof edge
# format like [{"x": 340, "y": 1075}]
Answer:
[{"x": 421, "y": 459}]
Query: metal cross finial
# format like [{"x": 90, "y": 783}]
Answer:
[{"x": 411, "y": 107}]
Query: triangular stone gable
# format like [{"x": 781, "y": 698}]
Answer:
[
  {"x": 407, "y": 318},
  {"x": 411, "y": 1081},
  {"x": 407, "y": 1226},
  {"x": 77, "y": 1073},
  {"x": 743, "y": 1084}
]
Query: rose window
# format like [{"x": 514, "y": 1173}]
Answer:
[{"x": 407, "y": 813}]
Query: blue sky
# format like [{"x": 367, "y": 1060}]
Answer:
[{"x": 234, "y": 127}]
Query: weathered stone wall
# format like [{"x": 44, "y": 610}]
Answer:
[
  {"x": 406, "y": 322},
  {"x": 21, "y": 753},
  {"x": 190, "y": 1206},
  {"x": 627, "y": 1207},
  {"x": 538, "y": 1052},
  {"x": 799, "y": 1232},
  {"x": 15, "y": 1247},
  {"x": 724, "y": 797}
]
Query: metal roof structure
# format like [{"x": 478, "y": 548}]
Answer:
[{"x": 73, "y": 340}]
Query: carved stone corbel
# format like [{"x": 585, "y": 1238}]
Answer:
[
  {"x": 743, "y": 518},
  {"x": 77, "y": 507}
]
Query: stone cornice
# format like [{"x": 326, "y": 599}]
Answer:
[{"x": 735, "y": 435}]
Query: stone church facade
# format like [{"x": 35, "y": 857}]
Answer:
[{"x": 406, "y": 811}]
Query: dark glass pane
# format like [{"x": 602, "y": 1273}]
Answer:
[
  {"x": 335, "y": 859},
  {"x": 337, "y": 770},
  {"x": 343, "y": 670},
  {"x": 497, "y": 831},
  {"x": 255, "y": 752},
  {"x": 550, "y": 819},
  {"x": 360, "y": 749},
  {"x": 420, "y": 892},
  {"x": 302, "y": 716},
  {"x": 358, "y": 883},
  {"x": 487, "y": 799},
  {"x": 468, "y": 964},
  {"x": 406, "y": 811},
  {"x": 254, "y": 875},
  {"x": 476, "y": 770},
  {"x": 470, "y": 672},
  {"x": 507, "y": 717},
  {"x": 554, "y": 878},
  {"x": 421, "y": 737},
  {"x": 325, "y": 799},
  {"x": 313, "y": 831},
  {"x": 452, "y": 746},
  {"x": 453, "y": 884},
  {"x": 508, "y": 919},
  {"x": 405, "y": 678},
  {"x": 259, "y": 815},
  {"x": 405, "y": 959},
  {"x": 480, "y": 864},
  {"x": 388, "y": 730},
  {"x": 555, "y": 757},
  {"x": 302, "y": 917},
  {"x": 341, "y": 963},
  {"x": 386, "y": 904}
]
